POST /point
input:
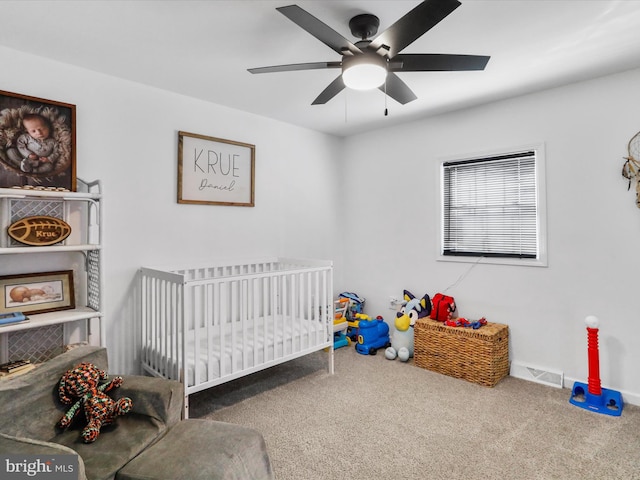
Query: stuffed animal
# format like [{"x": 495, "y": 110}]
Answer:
[
  {"x": 402, "y": 338},
  {"x": 82, "y": 383},
  {"x": 444, "y": 308}
]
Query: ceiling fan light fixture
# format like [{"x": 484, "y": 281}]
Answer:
[
  {"x": 364, "y": 72},
  {"x": 367, "y": 63}
]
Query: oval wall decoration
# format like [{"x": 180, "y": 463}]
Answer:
[{"x": 39, "y": 230}]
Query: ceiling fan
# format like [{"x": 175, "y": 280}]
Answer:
[{"x": 373, "y": 63}]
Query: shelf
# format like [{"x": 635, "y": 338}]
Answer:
[
  {"x": 83, "y": 210},
  {"x": 18, "y": 203},
  {"x": 48, "y": 249},
  {"x": 47, "y": 194},
  {"x": 52, "y": 318}
]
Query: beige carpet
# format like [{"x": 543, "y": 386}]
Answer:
[{"x": 379, "y": 419}]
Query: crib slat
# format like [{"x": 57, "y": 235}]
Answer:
[
  {"x": 222, "y": 318},
  {"x": 275, "y": 310},
  {"x": 209, "y": 330},
  {"x": 319, "y": 307},
  {"x": 231, "y": 324},
  {"x": 266, "y": 289},
  {"x": 176, "y": 315},
  {"x": 243, "y": 319},
  {"x": 195, "y": 325}
]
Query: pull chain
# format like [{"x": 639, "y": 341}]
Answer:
[{"x": 386, "y": 111}]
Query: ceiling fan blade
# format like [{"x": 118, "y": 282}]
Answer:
[
  {"x": 296, "y": 66},
  {"x": 412, "y": 26},
  {"x": 434, "y": 62},
  {"x": 397, "y": 89},
  {"x": 321, "y": 31},
  {"x": 331, "y": 91}
]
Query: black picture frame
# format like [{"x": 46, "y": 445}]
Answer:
[{"x": 20, "y": 162}]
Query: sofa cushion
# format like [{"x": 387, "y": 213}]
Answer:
[
  {"x": 26, "y": 446},
  {"x": 154, "y": 397},
  {"x": 203, "y": 450},
  {"x": 31, "y": 409},
  {"x": 30, "y": 404},
  {"x": 117, "y": 444}
]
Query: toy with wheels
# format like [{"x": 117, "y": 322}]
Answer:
[
  {"x": 352, "y": 325},
  {"x": 402, "y": 338},
  {"x": 372, "y": 335}
]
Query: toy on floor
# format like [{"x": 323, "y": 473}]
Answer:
[
  {"x": 372, "y": 335},
  {"x": 402, "y": 338},
  {"x": 83, "y": 383},
  {"x": 355, "y": 308},
  {"x": 340, "y": 340},
  {"x": 356, "y": 304},
  {"x": 340, "y": 324},
  {"x": 592, "y": 396},
  {"x": 353, "y": 322}
]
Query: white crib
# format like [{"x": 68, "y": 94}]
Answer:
[{"x": 207, "y": 325}]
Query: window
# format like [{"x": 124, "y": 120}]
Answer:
[{"x": 492, "y": 208}]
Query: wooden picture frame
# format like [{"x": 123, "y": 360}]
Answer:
[
  {"x": 214, "y": 171},
  {"x": 37, "y": 292},
  {"x": 33, "y": 160}
]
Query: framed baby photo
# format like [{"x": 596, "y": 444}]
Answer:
[
  {"x": 37, "y": 143},
  {"x": 214, "y": 171},
  {"x": 37, "y": 292}
]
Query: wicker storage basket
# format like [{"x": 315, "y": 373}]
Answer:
[{"x": 479, "y": 356}]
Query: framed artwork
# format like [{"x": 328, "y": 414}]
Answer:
[
  {"x": 37, "y": 292},
  {"x": 37, "y": 142},
  {"x": 213, "y": 171}
]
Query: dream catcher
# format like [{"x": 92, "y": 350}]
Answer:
[{"x": 631, "y": 168}]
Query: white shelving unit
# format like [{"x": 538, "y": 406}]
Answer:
[{"x": 44, "y": 335}]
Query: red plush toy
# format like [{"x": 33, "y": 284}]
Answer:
[
  {"x": 83, "y": 383},
  {"x": 443, "y": 307}
]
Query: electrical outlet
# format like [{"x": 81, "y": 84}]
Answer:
[{"x": 393, "y": 302}]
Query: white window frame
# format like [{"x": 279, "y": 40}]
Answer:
[{"x": 541, "y": 208}]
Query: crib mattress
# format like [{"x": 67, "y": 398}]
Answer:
[{"x": 258, "y": 341}]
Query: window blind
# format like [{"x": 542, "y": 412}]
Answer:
[{"x": 490, "y": 206}]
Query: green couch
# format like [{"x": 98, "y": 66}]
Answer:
[{"x": 30, "y": 410}]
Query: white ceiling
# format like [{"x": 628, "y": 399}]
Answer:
[{"x": 203, "y": 49}]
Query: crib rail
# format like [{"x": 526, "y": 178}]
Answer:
[
  {"x": 162, "y": 316},
  {"x": 208, "y": 325}
]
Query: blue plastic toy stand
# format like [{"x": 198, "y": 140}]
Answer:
[
  {"x": 340, "y": 340},
  {"x": 609, "y": 402}
]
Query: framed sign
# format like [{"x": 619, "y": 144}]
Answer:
[
  {"x": 37, "y": 292},
  {"x": 37, "y": 142},
  {"x": 214, "y": 171}
]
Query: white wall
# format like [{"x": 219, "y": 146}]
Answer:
[
  {"x": 127, "y": 137},
  {"x": 593, "y": 225}
]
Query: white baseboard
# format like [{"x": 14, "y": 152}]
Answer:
[{"x": 556, "y": 378}]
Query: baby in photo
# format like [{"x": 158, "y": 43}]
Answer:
[{"x": 36, "y": 151}]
